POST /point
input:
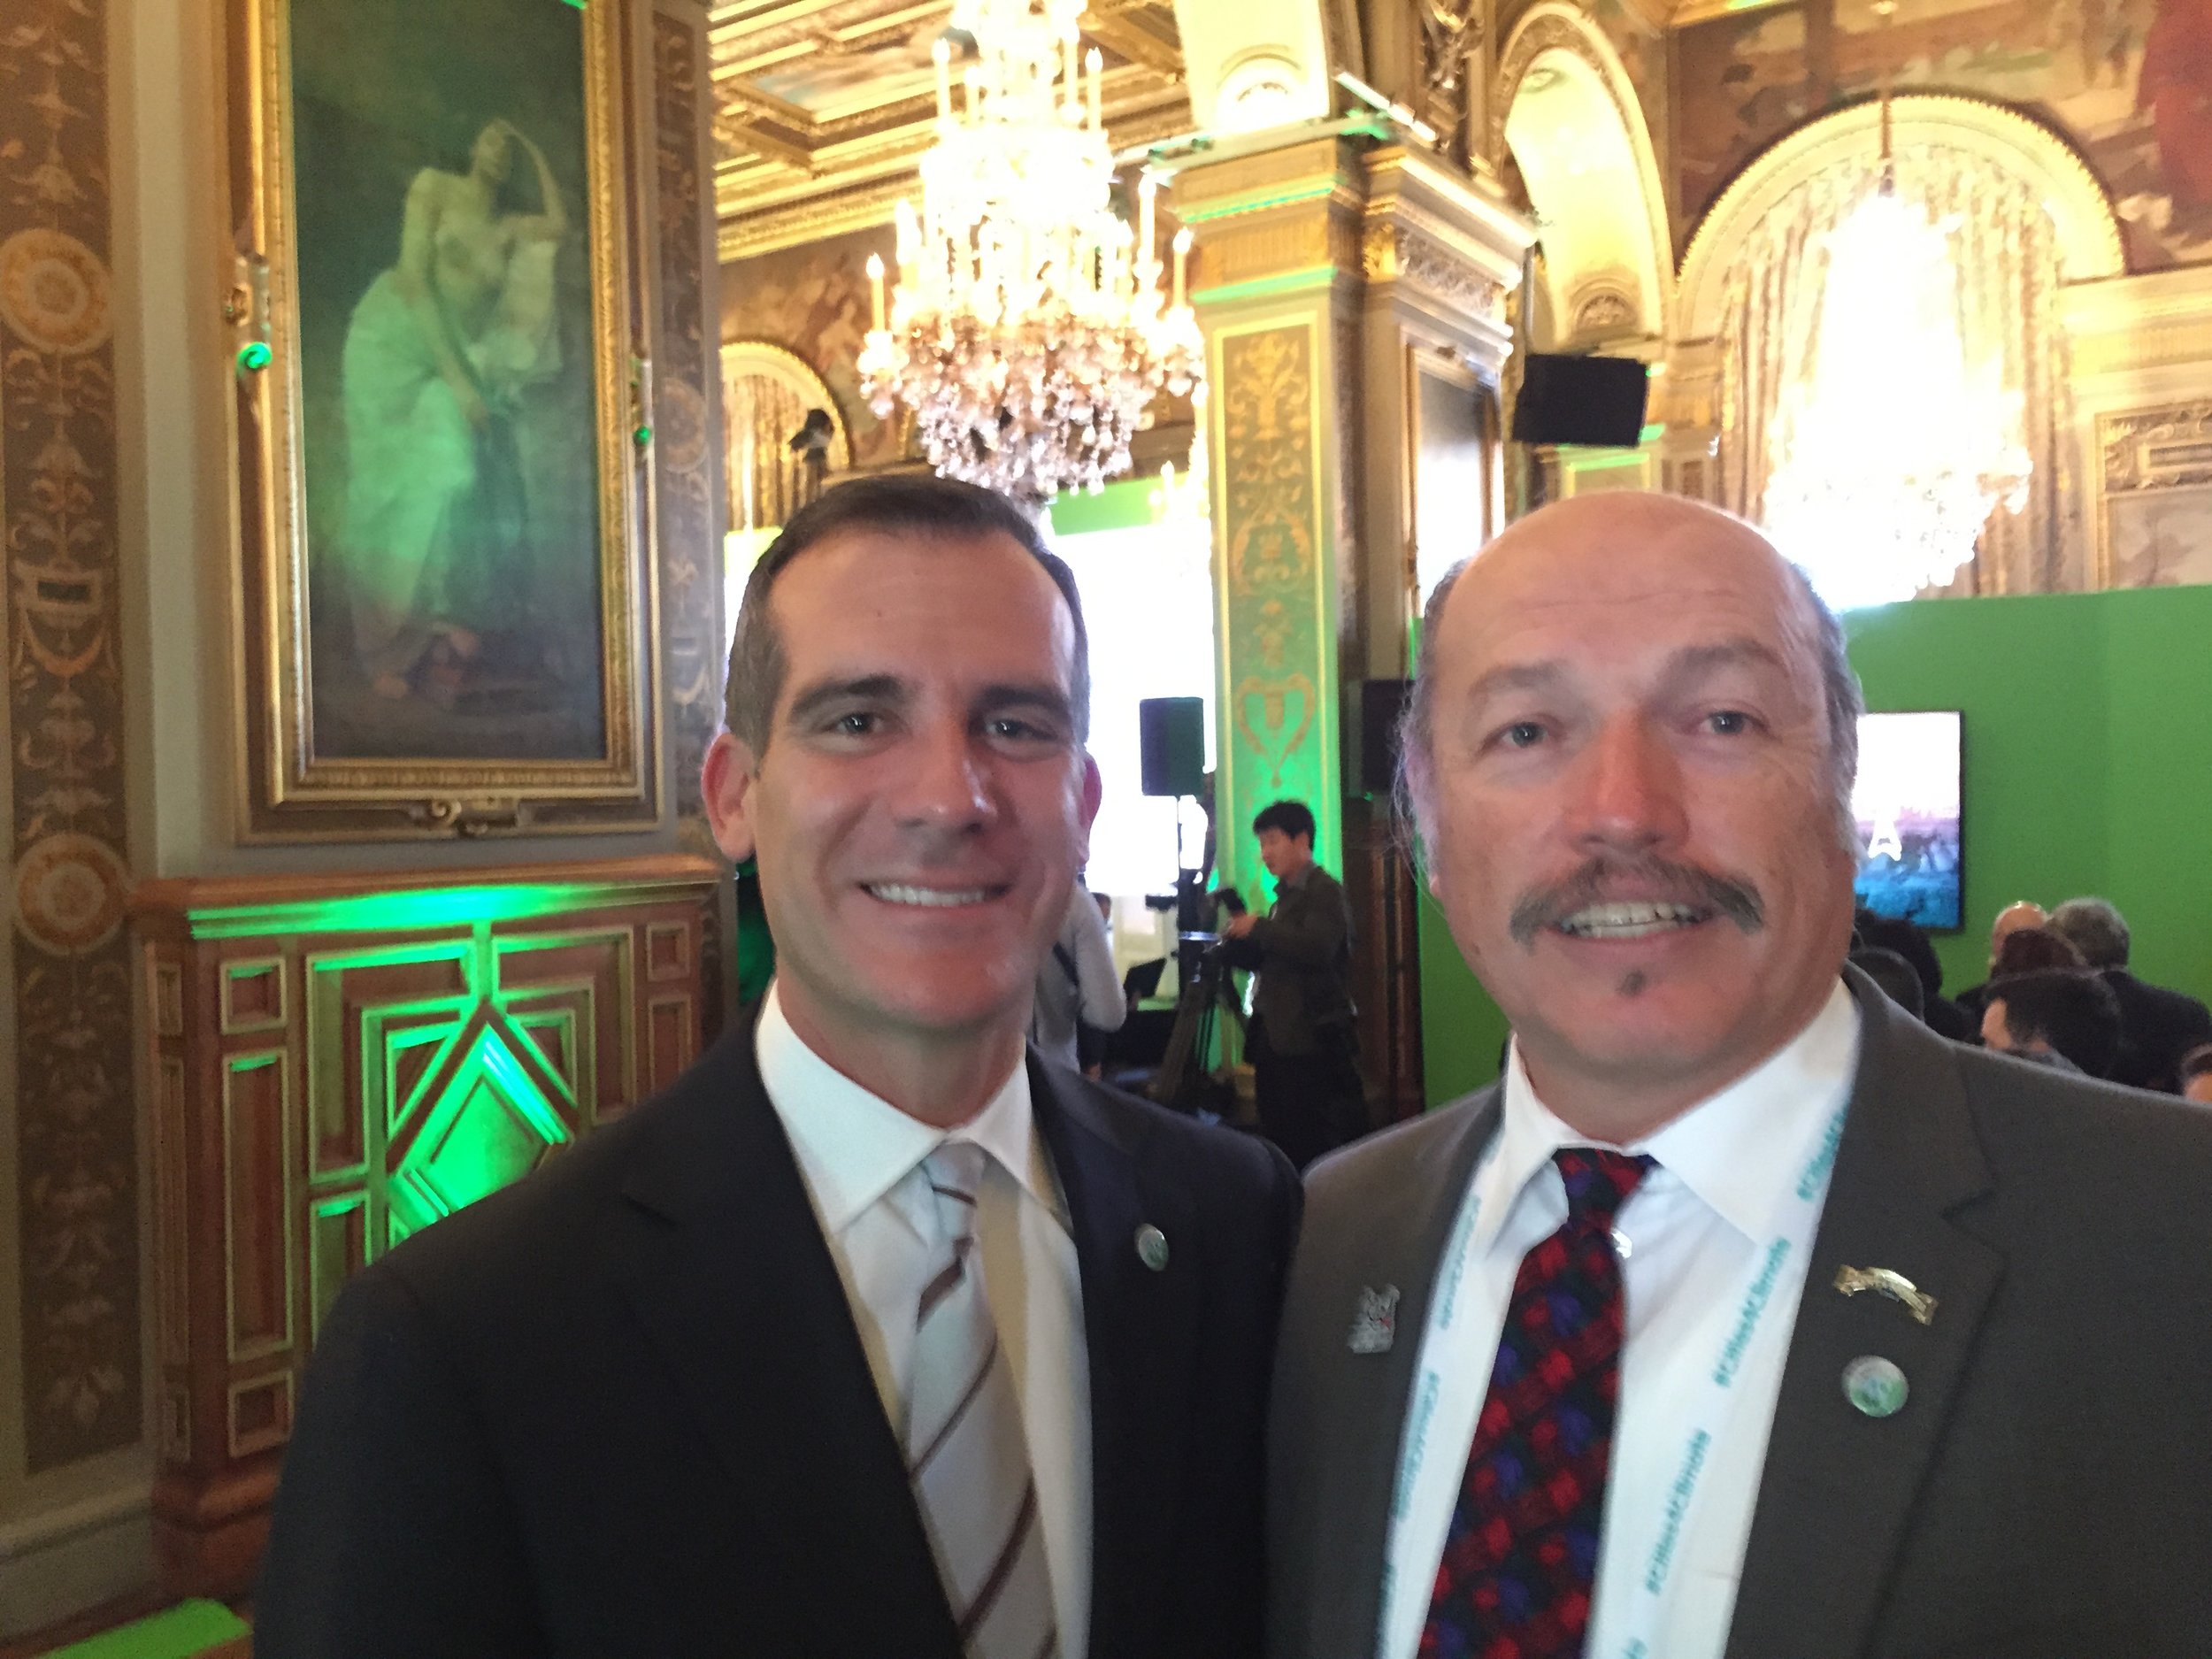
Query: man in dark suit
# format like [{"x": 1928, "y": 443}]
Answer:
[
  {"x": 874, "y": 1336},
  {"x": 2157, "y": 1026},
  {"x": 1303, "y": 1045},
  {"x": 1744, "y": 1317}
]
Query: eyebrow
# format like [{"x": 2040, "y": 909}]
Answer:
[
  {"x": 890, "y": 689},
  {"x": 1688, "y": 663}
]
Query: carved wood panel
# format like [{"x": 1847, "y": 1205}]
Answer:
[{"x": 341, "y": 1064}]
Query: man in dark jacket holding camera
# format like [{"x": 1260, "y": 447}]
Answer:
[{"x": 1304, "y": 1052}]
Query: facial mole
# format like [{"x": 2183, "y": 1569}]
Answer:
[{"x": 1633, "y": 985}]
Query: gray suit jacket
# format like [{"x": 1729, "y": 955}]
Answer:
[
  {"x": 2045, "y": 1494},
  {"x": 1305, "y": 951}
]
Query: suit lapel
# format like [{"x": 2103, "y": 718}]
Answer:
[
  {"x": 1141, "y": 1328},
  {"x": 1839, "y": 1486},
  {"x": 725, "y": 1265},
  {"x": 1369, "y": 1409}
]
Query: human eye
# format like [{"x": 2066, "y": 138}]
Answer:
[
  {"x": 1730, "y": 723},
  {"x": 1023, "y": 732},
  {"x": 1520, "y": 735}
]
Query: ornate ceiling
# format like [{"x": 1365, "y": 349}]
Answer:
[{"x": 823, "y": 107}]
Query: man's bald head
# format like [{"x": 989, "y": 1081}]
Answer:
[
  {"x": 1568, "y": 545},
  {"x": 2018, "y": 914}
]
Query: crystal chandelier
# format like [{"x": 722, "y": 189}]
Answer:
[
  {"x": 1027, "y": 331},
  {"x": 1892, "y": 451}
]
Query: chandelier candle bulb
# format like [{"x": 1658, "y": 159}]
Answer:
[
  {"x": 875, "y": 282},
  {"x": 1148, "y": 194},
  {"x": 1096, "y": 66},
  {"x": 1182, "y": 264}
]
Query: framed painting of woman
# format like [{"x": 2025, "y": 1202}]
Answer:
[{"x": 444, "y": 626}]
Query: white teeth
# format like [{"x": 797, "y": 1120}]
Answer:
[
  {"x": 1628, "y": 919},
  {"x": 942, "y": 897}
]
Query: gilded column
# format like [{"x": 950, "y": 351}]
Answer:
[{"x": 1353, "y": 297}]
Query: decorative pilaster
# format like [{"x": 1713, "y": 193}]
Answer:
[{"x": 1354, "y": 303}]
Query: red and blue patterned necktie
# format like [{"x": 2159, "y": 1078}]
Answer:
[{"x": 1521, "y": 1553}]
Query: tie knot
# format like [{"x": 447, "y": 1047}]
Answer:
[
  {"x": 1598, "y": 1183},
  {"x": 955, "y": 1175}
]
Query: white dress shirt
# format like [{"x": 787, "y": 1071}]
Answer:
[
  {"x": 856, "y": 1153},
  {"x": 1695, "y": 1229}
]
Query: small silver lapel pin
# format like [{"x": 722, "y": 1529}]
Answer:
[
  {"x": 1375, "y": 1321},
  {"x": 1888, "y": 1282}
]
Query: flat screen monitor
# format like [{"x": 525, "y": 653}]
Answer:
[{"x": 1906, "y": 804}]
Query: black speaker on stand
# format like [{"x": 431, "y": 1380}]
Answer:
[{"x": 1172, "y": 760}]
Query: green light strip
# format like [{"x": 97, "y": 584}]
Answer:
[
  {"x": 1200, "y": 215},
  {"x": 407, "y": 911},
  {"x": 1314, "y": 276}
]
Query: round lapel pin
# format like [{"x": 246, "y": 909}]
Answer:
[
  {"x": 1152, "y": 1248},
  {"x": 1875, "y": 1387}
]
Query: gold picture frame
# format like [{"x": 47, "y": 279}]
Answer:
[{"x": 445, "y": 607}]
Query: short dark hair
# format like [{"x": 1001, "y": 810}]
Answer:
[
  {"x": 2032, "y": 950},
  {"x": 915, "y": 503},
  {"x": 2071, "y": 1010},
  {"x": 1293, "y": 817},
  {"x": 2095, "y": 927},
  {"x": 2196, "y": 1064}
]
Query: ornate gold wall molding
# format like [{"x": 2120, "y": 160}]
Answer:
[
  {"x": 688, "y": 520},
  {"x": 2157, "y": 449},
  {"x": 1393, "y": 253},
  {"x": 77, "y": 1183}
]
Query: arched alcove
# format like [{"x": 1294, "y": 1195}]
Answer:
[
  {"x": 2088, "y": 237},
  {"x": 1566, "y": 110}
]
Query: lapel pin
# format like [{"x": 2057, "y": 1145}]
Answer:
[
  {"x": 1875, "y": 1387},
  {"x": 1375, "y": 1321},
  {"x": 1895, "y": 1285},
  {"x": 1152, "y": 1248}
]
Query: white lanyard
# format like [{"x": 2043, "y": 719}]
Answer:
[{"x": 1786, "y": 1241}]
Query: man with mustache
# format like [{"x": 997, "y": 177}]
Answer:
[
  {"x": 876, "y": 1336},
  {"x": 1744, "y": 1315}
]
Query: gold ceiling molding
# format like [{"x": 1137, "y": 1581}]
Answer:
[
  {"x": 1555, "y": 27},
  {"x": 2123, "y": 325},
  {"x": 2156, "y": 449},
  {"x": 1398, "y": 253},
  {"x": 824, "y": 108}
]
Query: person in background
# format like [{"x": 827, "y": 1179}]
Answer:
[
  {"x": 2157, "y": 1025},
  {"x": 1304, "y": 1051},
  {"x": 2196, "y": 1075},
  {"x": 1076, "y": 983},
  {"x": 2029, "y": 950},
  {"x": 2059, "y": 1016},
  {"x": 1909, "y": 941},
  {"x": 2018, "y": 914}
]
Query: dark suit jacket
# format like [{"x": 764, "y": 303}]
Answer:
[
  {"x": 1303, "y": 947},
  {"x": 2045, "y": 1494},
  {"x": 2157, "y": 1027},
  {"x": 622, "y": 1408}
]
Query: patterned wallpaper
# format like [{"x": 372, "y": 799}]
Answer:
[{"x": 77, "y": 1181}]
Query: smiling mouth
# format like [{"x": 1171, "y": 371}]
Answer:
[
  {"x": 929, "y": 898},
  {"x": 1631, "y": 918}
]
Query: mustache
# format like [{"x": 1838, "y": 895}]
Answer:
[{"x": 1660, "y": 879}]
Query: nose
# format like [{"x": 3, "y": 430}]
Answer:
[
  {"x": 946, "y": 788},
  {"x": 1627, "y": 792}
]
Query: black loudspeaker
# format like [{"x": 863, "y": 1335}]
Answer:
[
  {"x": 1381, "y": 702},
  {"x": 1172, "y": 744},
  {"x": 1580, "y": 400}
]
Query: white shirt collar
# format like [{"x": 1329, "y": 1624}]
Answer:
[
  {"x": 1734, "y": 1150},
  {"x": 854, "y": 1147}
]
